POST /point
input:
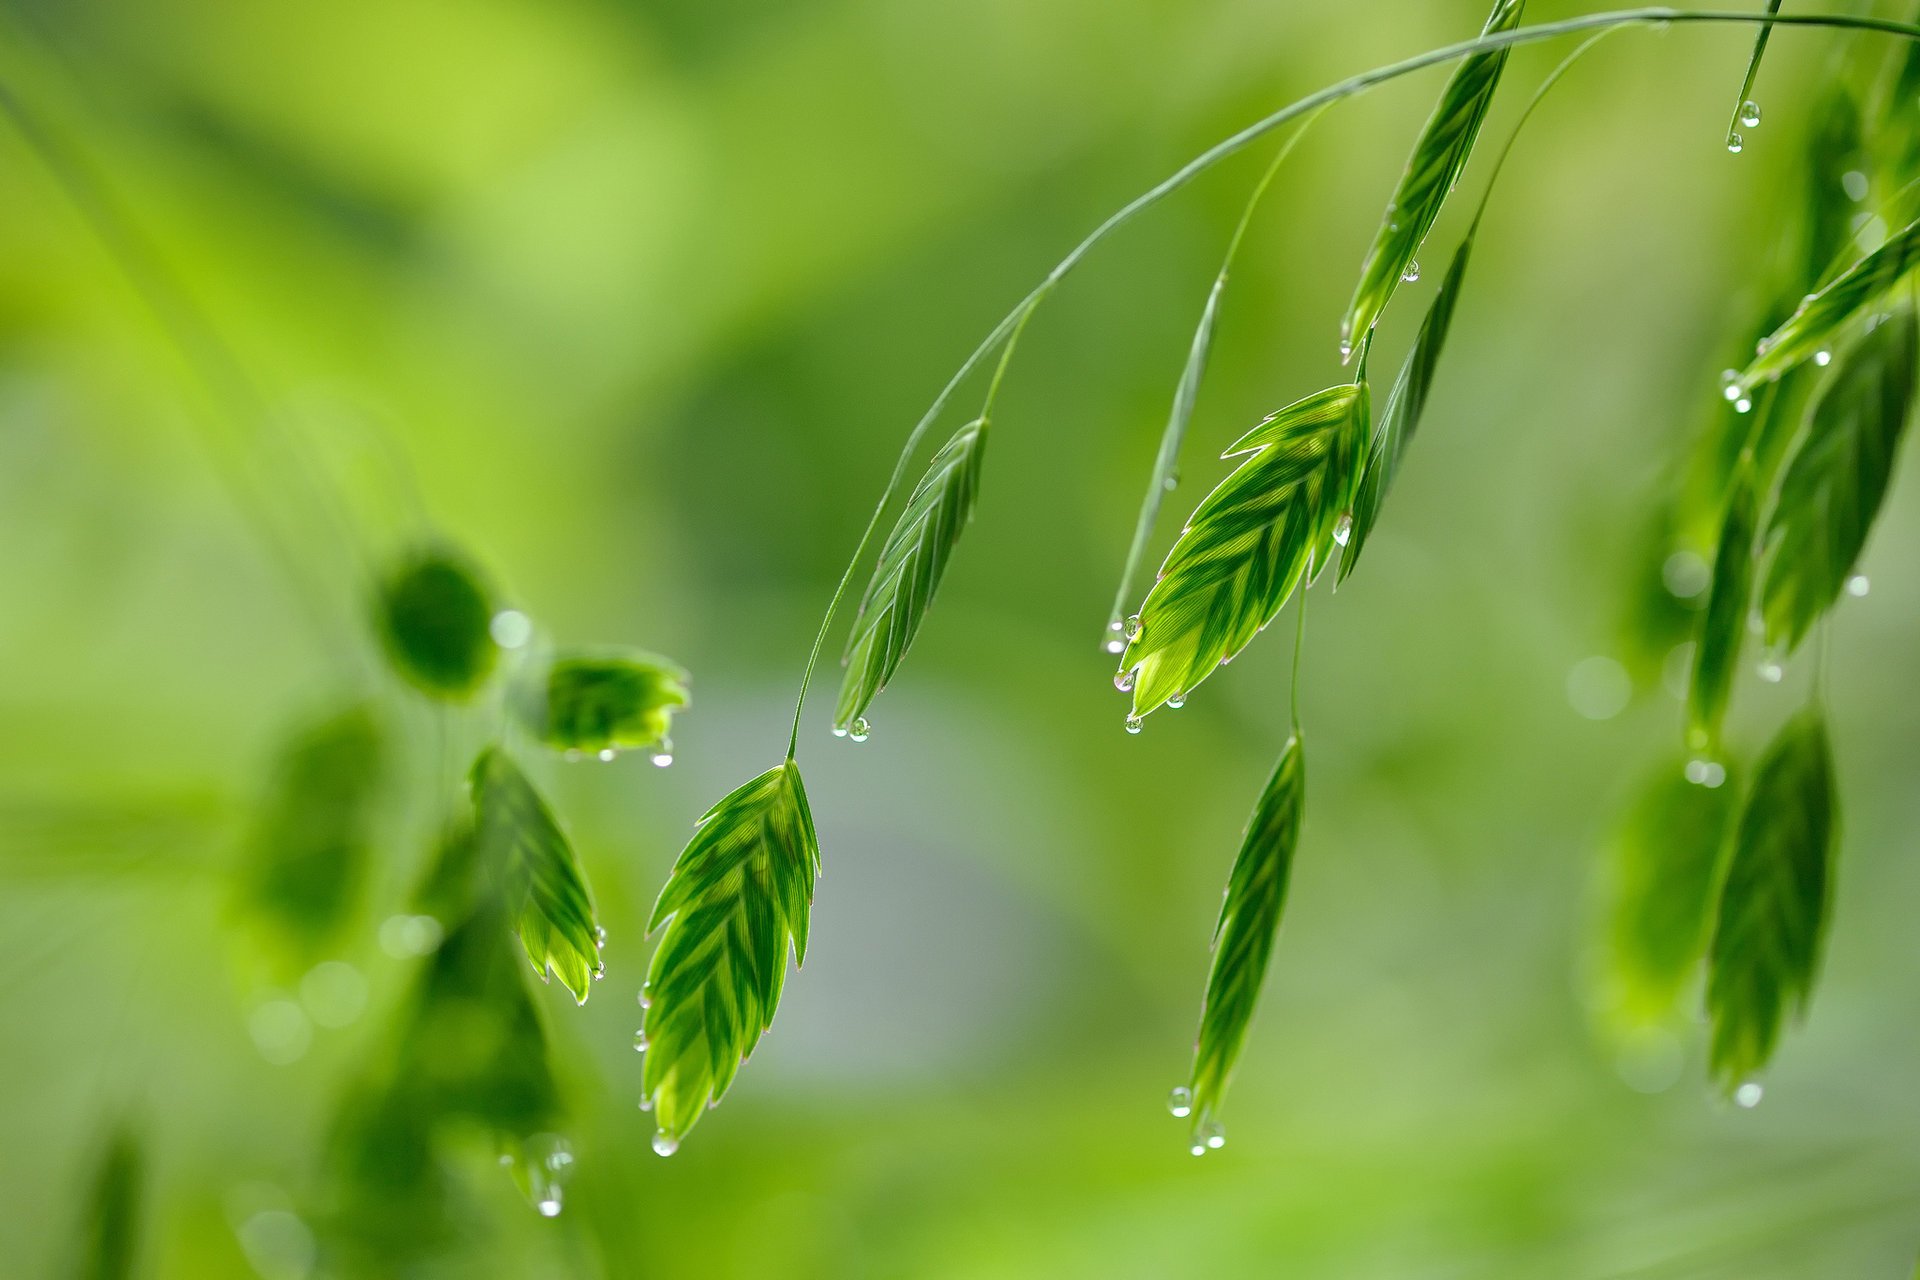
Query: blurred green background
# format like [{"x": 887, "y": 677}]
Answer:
[{"x": 637, "y": 298}]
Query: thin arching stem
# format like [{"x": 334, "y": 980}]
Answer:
[
  {"x": 1655, "y": 16},
  {"x": 1299, "y": 647}
]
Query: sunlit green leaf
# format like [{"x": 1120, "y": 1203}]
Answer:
[
  {"x": 1773, "y": 907},
  {"x": 1835, "y": 480},
  {"x": 1244, "y": 934},
  {"x": 433, "y": 620},
  {"x": 1821, "y": 318},
  {"x": 1438, "y": 159},
  {"x": 737, "y": 901},
  {"x": 596, "y": 702},
  {"x": 1405, "y": 403},
  {"x": 1663, "y": 865},
  {"x": 1723, "y": 624},
  {"x": 307, "y": 854},
  {"x": 911, "y": 564},
  {"x": 1268, "y": 524},
  {"x": 533, "y": 868},
  {"x": 109, "y": 1241}
]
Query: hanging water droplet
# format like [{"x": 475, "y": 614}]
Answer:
[
  {"x": 1116, "y": 646},
  {"x": 1180, "y": 1101},
  {"x": 1771, "y": 671},
  {"x": 1212, "y": 1134},
  {"x": 1343, "y": 528},
  {"x": 663, "y": 756},
  {"x": 1172, "y": 481},
  {"x": 664, "y": 1143},
  {"x": 1858, "y": 585},
  {"x": 839, "y": 731},
  {"x": 1177, "y": 701},
  {"x": 859, "y": 729},
  {"x": 1750, "y": 114},
  {"x": 1346, "y": 351},
  {"x": 1123, "y": 679},
  {"x": 1412, "y": 273},
  {"x": 1823, "y": 357},
  {"x": 1749, "y": 1094},
  {"x": 1730, "y": 384},
  {"x": 606, "y": 754},
  {"x": 1742, "y": 405},
  {"x": 1133, "y": 628},
  {"x": 549, "y": 1204},
  {"x": 1198, "y": 1148},
  {"x": 640, "y": 1041},
  {"x": 1735, "y": 143},
  {"x": 1135, "y": 724},
  {"x": 599, "y": 936},
  {"x": 646, "y": 1001},
  {"x": 599, "y": 971}
]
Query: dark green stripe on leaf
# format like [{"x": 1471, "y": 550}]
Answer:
[
  {"x": 1819, "y": 321},
  {"x": 108, "y": 1244},
  {"x": 1835, "y": 480},
  {"x": 1773, "y": 906},
  {"x": 908, "y": 573},
  {"x": 736, "y": 903},
  {"x": 535, "y": 873},
  {"x": 1435, "y": 166},
  {"x": 1249, "y": 543},
  {"x": 433, "y": 620},
  {"x": 1405, "y": 404},
  {"x": 1723, "y": 624},
  {"x": 596, "y": 702},
  {"x": 1244, "y": 934}
]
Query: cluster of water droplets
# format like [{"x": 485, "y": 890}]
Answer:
[
  {"x": 1749, "y": 119},
  {"x": 1703, "y": 772},
  {"x": 1735, "y": 391},
  {"x": 1207, "y": 1135},
  {"x": 540, "y": 1166},
  {"x": 664, "y": 1143},
  {"x": 857, "y": 731}
]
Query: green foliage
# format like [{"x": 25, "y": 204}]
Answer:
[
  {"x": 533, "y": 869},
  {"x": 1773, "y": 907},
  {"x": 1663, "y": 867},
  {"x": 737, "y": 900},
  {"x": 1438, "y": 159},
  {"x": 597, "y": 702},
  {"x": 1822, "y": 318},
  {"x": 1742, "y": 104},
  {"x": 1405, "y": 403},
  {"x": 110, "y": 1228},
  {"x": 1247, "y": 545},
  {"x": 433, "y": 620},
  {"x": 1244, "y": 934},
  {"x": 1836, "y": 479},
  {"x": 912, "y": 561},
  {"x": 1723, "y": 624},
  {"x": 308, "y": 851}
]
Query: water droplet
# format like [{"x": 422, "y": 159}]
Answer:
[
  {"x": 859, "y": 729},
  {"x": 1343, "y": 528},
  {"x": 1686, "y": 574},
  {"x": 1735, "y": 143},
  {"x": 1730, "y": 384},
  {"x": 606, "y": 755},
  {"x": 1177, "y": 701},
  {"x": 599, "y": 971},
  {"x": 646, "y": 1001},
  {"x": 1823, "y": 357},
  {"x": 1706, "y": 773},
  {"x": 1742, "y": 405},
  {"x": 1123, "y": 679},
  {"x": 1346, "y": 351},
  {"x": 1771, "y": 671},
  {"x": 1172, "y": 481},
  {"x": 1180, "y": 1101},
  {"x": 1749, "y": 1094},
  {"x": 1133, "y": 628},
  {"x": 1750, "y": 114},
  {"x": 510, "y": 628},
  {"x": 640, "y": 1041},
  {"x": 1135, "y": 724},
  {"x": 664, "y": 1143},
  {"x": 839, "y": 731},
  {"x": 549, "y": 1204},
  {"x": 1212, "y": 1134},
  {"x": 1116, "y": 646},
  {"x": 1858, "y": 585},
  {"x": 1411, "y": 274},
  {"x": 1854, "y": 183},
  {"x": 662, "y": 755}
]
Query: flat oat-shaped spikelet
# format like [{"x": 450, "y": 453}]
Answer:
[{"x": 1249, "y": 543}]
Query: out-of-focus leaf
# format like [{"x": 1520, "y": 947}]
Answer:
[
  {"x": 1244, "y": 934},
  {"x": 1821, "y": 318},
  {"x": 1833, "y": 149},
  {"x": 1405, "y": 403},
  {"x": 597, "y": 702},
  {"x": 433, "y": 619},
  {"x": 538, "y": 880},
  {"x": 1836, "y": 479},
  {"x": 737, "y": 901},
  {"x": 1723, "y": 624},
  {"x": 1435, "y": 166},
  {"x": 1663, "y": 867},
  {"x": 909, "y": 570},
  {"x": 1245, "y": 547},
  {"x": 1773, "y": 906},
  {"x": 110, "y": 1228},
  {"x": 449, "y": 890},
  {"x": 308, "y": 851}
]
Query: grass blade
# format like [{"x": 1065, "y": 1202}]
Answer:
[
  {"x": 1243, "y": 936},
  {"x": 1439, "y": 157},
  {"x": 433, "y": 617},
  {"x": 1821, "y": 317},
  {"x": 1664, "y": 863},
  {"x": 110, "y": 1230},
  {"x": 737, "y": 901},
  {"x": 1835, "y": 480},
  {"x": 533, "y": 867},
  {"x": 1723, "y": 624},
  {"x": 1741, "y": 116},
  {"x": 1268, "y": 524},
  {"x": 601, "y": 703},
  {"x": 1773, "y": 907},
  {"x": 912, "y": 561}
]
